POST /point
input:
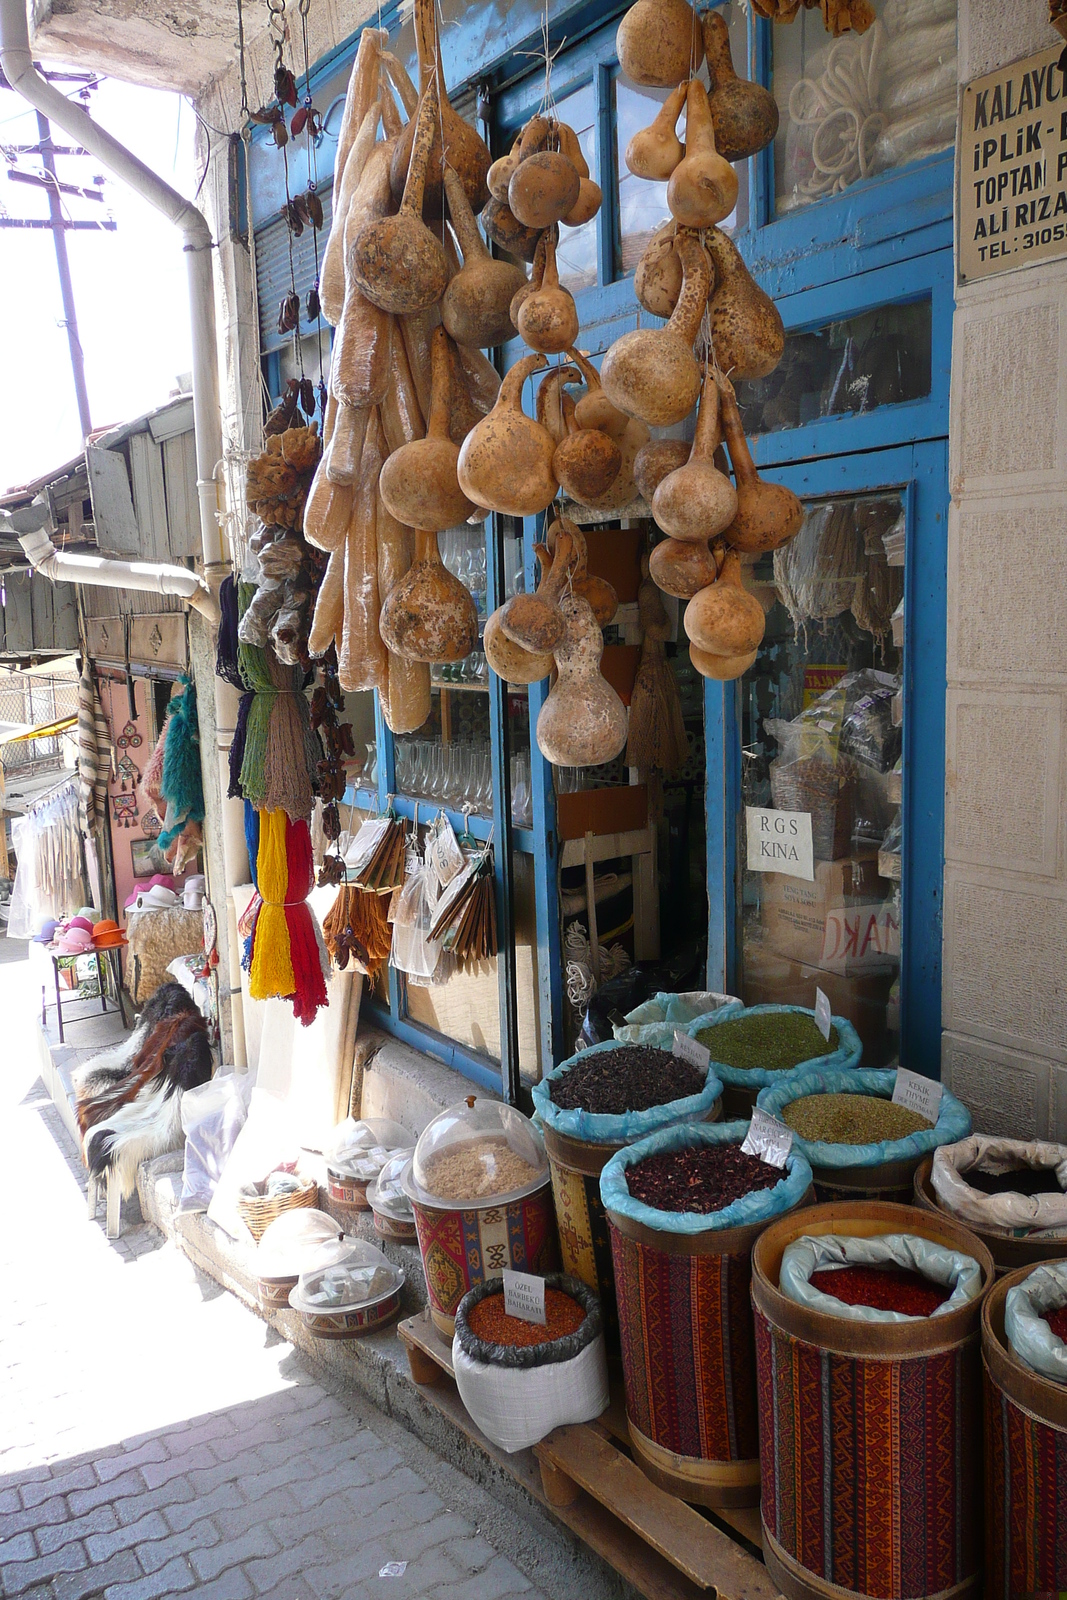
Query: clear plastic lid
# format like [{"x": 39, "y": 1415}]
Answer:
[
  {"x": 479, "y": 1152},
  {"x": 300, "y": 1241},
  {"x": 361, "y": 1277},
  {"x": 386, "y": 1194},
  {"x": 361, "y": 1149}
]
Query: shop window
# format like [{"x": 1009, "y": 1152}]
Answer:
[
  {"x": 864, "y": 104},
  {"x": 844, "y": 367},
  {"x": 577, "y": 251},
  {"x": 821, "y": 738}
]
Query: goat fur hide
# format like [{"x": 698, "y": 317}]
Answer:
[{"x": 129, "y": 1098}]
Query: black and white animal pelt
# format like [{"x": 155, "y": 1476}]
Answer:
[{"x": 129, "y": 1097}]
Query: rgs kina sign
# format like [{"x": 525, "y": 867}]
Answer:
[
  {"x": 779, "y": 841},
  {"x": 1013, "y": 167}
]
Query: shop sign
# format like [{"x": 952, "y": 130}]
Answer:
[
  {"x": 1013, "y": 167},
  {"x": 779, "y": 841}
]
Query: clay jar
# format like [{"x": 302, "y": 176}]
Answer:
[
  {"x": 724, "y": 619},
  {"x": 476, "y": 308},
  {"x": 651, "y": 373},
  {"x": 397, "y": 261},
  {"x": 659, "y": 43},
  {"x": 703, "y": 187},
  {"x": 768, "y": 514},
  {"x": 418, "y": 482},
  {"x": 745, "y": 114},
  {"x": 582, "y": 722},
  {"x": 505, "y": 463},
  {"x": 696, "y": 501}
]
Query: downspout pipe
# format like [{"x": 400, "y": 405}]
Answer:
[
  {"x": 64, "y": 566},
  {"x": 16, "y": 59}
]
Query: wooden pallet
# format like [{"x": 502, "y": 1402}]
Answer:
[{"x": 665, "y": 1549}]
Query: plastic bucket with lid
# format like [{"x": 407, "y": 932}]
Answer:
[
  {"x": 880, "y": 1418},
  {"x": 688, "y": 1353},
  {"x": 1026, "y": 1464},
  {"x": 579, "y": 1145},
  {"x": 357, "y": 1294},
  {"x": 480, "y": 1189}
]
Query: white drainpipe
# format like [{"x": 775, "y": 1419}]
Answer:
[{"x": 64, "y": 566}]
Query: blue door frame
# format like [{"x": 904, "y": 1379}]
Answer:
[{"x": 920, "y": 471}]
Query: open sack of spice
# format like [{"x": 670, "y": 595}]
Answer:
[
  {"x": 1010, "y": 1186},
  {"x": 849, "y": 1119},
  {"x": 520, "y": 1379},
  {"x": 752, "y": 1046},
  {"x": 618, "y": 1093},
  {"x": 646, "y": 1023},
  {"x": 1035, "y": 1320},
  {"x": 892, "y": 1278}
]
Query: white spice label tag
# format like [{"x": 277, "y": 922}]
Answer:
[
  {"x": 823, "y": 1015},
  {"x": 918, "y": 1094},
  {"x": 768, "y": 1138},
  {"x": 443, "y": 851},
  {"x": 686, "y": 1049},
  {"x": 524, "y": 1296}
]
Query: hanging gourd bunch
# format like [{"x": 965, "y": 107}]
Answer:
[{"x": 720, "y": 325}]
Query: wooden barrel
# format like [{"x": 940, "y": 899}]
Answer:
[
  {"x": 585, "y": 1247},
  {"x": 689, "y": 1359},
  {"x": 892, "y": 1182},
  {"x": 1026, "y": 1464},
  {"x": 1008, "y": 1253},
  {"x": 870, "y": 1438}
]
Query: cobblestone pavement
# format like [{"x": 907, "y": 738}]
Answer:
[{"x": 156, "y": 1438}]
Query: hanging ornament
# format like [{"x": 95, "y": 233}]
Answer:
[
  {"x": 124, "y": 810},
  {"x": 150, "y": 825},
  {"x": 129, "y": 738},
  {"x": 125, "y": 769}
]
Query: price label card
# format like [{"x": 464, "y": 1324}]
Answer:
[
  {"x": 524, "y": 1296},
  {"x": 917, "y": 1093},
  {"x": 768, "y": 1138},
  {"x": 686, "y": 1049},
  {"x": 444, "y": 853},
  {"x": 823, "y": 1016}
]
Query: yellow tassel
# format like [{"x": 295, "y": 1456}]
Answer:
[{"x": 272, "y": 965}]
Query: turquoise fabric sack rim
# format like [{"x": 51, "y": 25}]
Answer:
[
  {"x": 762, "y": 1206},
  {"x": 953, "y": 1118},
  {"x": 598, "y": 1127},
  {"x": 847, "y": 1055}
]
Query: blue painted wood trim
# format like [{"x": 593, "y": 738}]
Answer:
[
  {"x": 503, "y": 875},
  {"x": 546, "y": 854},
  {"x": 407, "y": 805}
]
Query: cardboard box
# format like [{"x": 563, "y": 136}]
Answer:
[
  {"x": 794, "y": 913},
  {"x": 864, "y": 1000},
  {"x": 616, "y": 810}
]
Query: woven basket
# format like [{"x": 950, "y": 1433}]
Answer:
[{"x": 259, "y": 1211}]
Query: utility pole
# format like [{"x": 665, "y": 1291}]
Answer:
[{"x": 70, "y": 315}]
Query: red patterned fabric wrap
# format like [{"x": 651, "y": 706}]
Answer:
[
  {"x": 462, "y": 1248},
  {"x": 870, "y": 1469},
  {"x": 687, "y": 1353},
  {"x": 1026, "y": 1500}
]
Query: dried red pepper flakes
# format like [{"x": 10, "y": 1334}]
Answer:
[
  {"x": 1057, "y": 1321},
  {"x": 883, "y": 1288},
  {"x": 489, "y": 1321}
]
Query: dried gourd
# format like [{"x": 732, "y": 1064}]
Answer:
[
  {"x": 505, "y": 463},
  {"x": 651, "y": 373}
]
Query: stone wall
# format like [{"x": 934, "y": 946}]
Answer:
[{"x": 1005, "y": 931}]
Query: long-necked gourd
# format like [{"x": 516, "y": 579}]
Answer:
[
  {"x": 476, "y": 307},
  {"x": 655, "y": 151},
  {"x": 397, "y": 261},
  {"x": 548, "y": 317},
  {"x": 722, "y": 668},
  {"x": 651, "y": 373},
  {"x": 589, "y": 198},
  {"x": 430, "y": 615},
  {"x": 696, "y": 501},
  {"x": 505, "y": 463},
  {"x": 587, "y": 461},
  {"x": 654, "y": 460},
  {"x": 504, "y": 228},
  {"x": 601, "y": 595},
  {"x": 702, "y": 189},
  {"x": 464, "y": 149},
  {"x": 621, "y": 491},
  {"x": 535, "y": 621},
  {"x": 745, "y": 114},
  {"x": 683, "y": 567},
  {"x": 747, "y": 335},
  {"x": 594, "y": 409},
  {"x": 511, "y": 661},
  {"x": 582, "y": 722},
  {"x": 768, "y": 514},
  {"x": 724, "y": 618},
  {"x": 545, "y": 184},
  {"x": 659, "y": 42},
  {"x": 418, "y": 482}
]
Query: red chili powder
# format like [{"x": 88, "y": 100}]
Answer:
[
  {"x": 1057, "y": 1321},
  {"x": 489, "y": 1321},
  {"x": 884, "y": 1288}
]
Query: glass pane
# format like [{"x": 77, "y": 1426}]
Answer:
[
  {"x": 821, "y": 735},
  {"x": 865, "y": 103},
  {"x": 642, "y": 205},
  {"x": 878, "y": 358},
  {"x": 576, "y": 252}
]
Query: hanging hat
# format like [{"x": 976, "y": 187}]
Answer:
[{"x": 107, "y": 934}]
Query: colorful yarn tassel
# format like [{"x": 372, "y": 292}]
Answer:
[{"x": 288, "y": 957}]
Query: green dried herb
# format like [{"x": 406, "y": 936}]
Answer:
[
  {"x": 773, "y": 1040},
  {"x": 851, "y": 1119}
]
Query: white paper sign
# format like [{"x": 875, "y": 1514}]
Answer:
[
  {"x": 918, "y": 1094},
  {"x": 779, "y": 841},
  {"x": 443, "y": 852},
  {"x": 686, "y": 1049},
  {"x": 524, "y": 1296},
  {"x": 823, "y": 1015},
  {"x": 768, "y": 1138}
]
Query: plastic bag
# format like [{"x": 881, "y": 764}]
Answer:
[
  {"x": 657, "y": 1019},
  {"x": 517, "y": 1396},
  {"x": 1027, "y": 1331},
  {"x": 212, "y": 1117},
  {"x": 414, "y": 952},
  {"x": 1011, "y": 1214},
  {"x": 828, "y": 1250},
  {"x": 361, "y": 1149},
  {"x": 599, "y": 1127},
  {"x": 759, "y": 1206},
  {"x": 953, "y": 1119},
  {"x": 619, "y": 995},
  {"x": 844, "y": 1058},
  {"x": 853, "y": 718}
]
